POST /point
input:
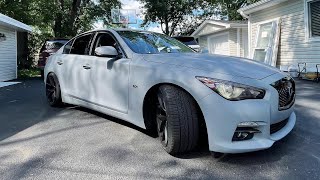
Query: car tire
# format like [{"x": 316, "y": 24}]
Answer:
[
  {"x": 177, "y": 120},
  {"x": 53, "y": 91}
]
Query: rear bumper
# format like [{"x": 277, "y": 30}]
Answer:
[{"x": 41, "y": 64}]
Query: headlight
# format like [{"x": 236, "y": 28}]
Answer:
[{"x": 231, "y": 90}]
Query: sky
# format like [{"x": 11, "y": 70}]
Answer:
[{"x": 138, "y": 6}]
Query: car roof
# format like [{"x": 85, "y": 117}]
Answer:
[
  {"x": 182, "y": 36},
  {"x": 58, "y": 39},
  {"x": 117, "y": 30}
]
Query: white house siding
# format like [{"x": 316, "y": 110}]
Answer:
[
  {"x": 209, "y": 28},
  {"x": 233, "y": 42},
  {"x": 218, "y": 43},
  {"x": 244, "y": 42},
  {"x": 294, "y": 47},
  {"x": 8, "y": 55}
]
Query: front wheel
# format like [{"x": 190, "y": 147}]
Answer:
[
  {"x": 177, "y": 120},
  {"x": 53, "y": 91}
]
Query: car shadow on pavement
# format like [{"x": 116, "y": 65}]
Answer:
[{"x": 22, "y": 106}]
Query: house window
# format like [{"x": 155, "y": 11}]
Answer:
[
  {"x": 266, "y": 46},
  {"x": 313, "y": 18}
]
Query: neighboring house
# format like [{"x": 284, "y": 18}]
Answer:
[
  {"x": 284, "y": 33},
  {"x": 223, "y": 37},
  {"x": 13, "y": 45}
]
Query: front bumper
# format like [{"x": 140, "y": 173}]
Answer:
[{"x": 222, "y": 118}]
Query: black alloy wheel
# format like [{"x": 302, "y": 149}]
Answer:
[
  {"x": 162, "y": 123},
  {"x": 53, "y": 91}
]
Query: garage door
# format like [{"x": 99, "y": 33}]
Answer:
[
  {"x": 8, "y": 54},
  {"x": 219, "y": 44}
]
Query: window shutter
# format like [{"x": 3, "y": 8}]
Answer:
[{"x": 315, "y": 18}]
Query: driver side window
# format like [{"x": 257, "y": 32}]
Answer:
[{"x": 105, "y": 39}]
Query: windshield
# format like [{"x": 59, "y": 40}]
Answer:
[
  {"x": 187, "y": 40},
  {"x": 152, "y": 43}
]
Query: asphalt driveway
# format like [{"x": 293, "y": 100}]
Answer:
[{"x": 40, "y": 142}]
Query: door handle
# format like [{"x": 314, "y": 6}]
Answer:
[
  {"x": 59, "y": 62},
  {"x": 86, "y": 67}
]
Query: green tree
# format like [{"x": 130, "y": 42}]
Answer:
[
  {"x": 74, "y": 16},
  {"x": 227, "y": 9},
  {"x": 57, "y": 18},
  {"x": 170, "y": 14},
  {"x": 61, "y": 17}
]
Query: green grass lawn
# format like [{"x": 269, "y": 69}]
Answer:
[{"x": 28, "y": 73}]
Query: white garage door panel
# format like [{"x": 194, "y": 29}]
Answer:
[
  {"x": 219, "y": 44},
  {"x": 8, "y": 55}
]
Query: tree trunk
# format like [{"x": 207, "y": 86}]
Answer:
[
  {"x": 74, "y": 14},
  {"x": 57, "y": 29}
]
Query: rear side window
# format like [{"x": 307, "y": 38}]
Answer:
[
  {"x": 53, "y": 44},
  {"x": 81, "y": 45},
  {"x": 67, "y": 47}
]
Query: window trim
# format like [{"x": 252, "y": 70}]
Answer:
[
  {"x": 112, "y": 35},
  {"x": 307, "y": 22},
  {"x": 71, "y": 40},
  {"x": 273, "y": 53},
  {"x": 79, "y": 36}
]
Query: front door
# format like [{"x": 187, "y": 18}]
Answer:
[
  {"x": 76, "y": 68},
  {"x": 109, "y": 76}
]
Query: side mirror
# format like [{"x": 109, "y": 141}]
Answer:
[{"x": 106, "y": 51}]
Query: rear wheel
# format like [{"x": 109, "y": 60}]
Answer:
[
  {"x": 177, "y": 120},
  {"x": 53, "y": 91}
]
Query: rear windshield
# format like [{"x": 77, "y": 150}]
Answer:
[
  {"x": 53, "y": 44},
  {"x": 187, "y": 40}
]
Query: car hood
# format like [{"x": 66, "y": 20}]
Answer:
[{"x": 216, "y": 63}]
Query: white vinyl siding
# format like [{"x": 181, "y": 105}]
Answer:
[
  {"x": 209, "y": 28},
  {"x": 233, "y": 42},
  {"x": 294, "y": 47},
  {"x": 8, "y": 55},
  {"x": 219, "y": 44},
  {"x": 230, "y": 42},
  {"x": 244, "y": 42}
]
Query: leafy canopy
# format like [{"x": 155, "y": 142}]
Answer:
[{"x": 184, "y": 16}]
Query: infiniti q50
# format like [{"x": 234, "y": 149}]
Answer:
[{"x": 157, "y": 83}]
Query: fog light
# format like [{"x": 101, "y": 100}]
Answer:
[
  {"x": 244, "y": 133},
  {"x": 240, "y": 136}
]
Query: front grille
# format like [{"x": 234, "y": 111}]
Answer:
[
  {"x": 286, "y": 90},
  {"x": 277, "y": 126}
]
